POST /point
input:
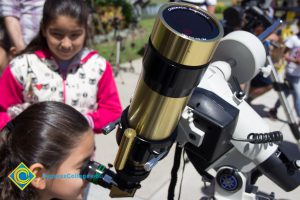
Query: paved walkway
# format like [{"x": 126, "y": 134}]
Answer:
[{"x": 155, "y": 187}]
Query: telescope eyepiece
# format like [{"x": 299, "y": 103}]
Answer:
[{"x": 98, "y": 174}]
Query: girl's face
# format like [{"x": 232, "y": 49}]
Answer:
[
  {"x": 71, "y": 188},
  {"x": 65, "y": 37}
]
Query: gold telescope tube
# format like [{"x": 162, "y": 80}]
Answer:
[
  {"x": 182, "y": 42},
  {"x": 179, "y": 47}
]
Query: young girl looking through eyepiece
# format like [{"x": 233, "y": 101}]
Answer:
[{"x": 50, "y": 138}]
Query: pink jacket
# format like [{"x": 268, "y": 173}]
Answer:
[{"x": 88, "y": 85}]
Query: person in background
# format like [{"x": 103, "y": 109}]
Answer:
[
  {"x": 3, "y": 56},
  {"x": 22, "y": 21},
  {"x": 209, "y": 5},
  {"x": 56, "y": 66},
  {"x": 292, "y": 72},
  {"x": 3, "y": 48},
  {"x": 50, "y": 138}
]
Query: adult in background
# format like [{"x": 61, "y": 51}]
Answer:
[
  {"x": 4, "y": 48},
  {"x": 22, "y": 20},
  {"x": 292, "y": 72},
  {"x": 208, "y": 5}
]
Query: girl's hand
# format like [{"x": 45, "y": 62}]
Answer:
[{"x": 15, "y": 110}]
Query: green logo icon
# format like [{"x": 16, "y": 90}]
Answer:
[{"x": 21, "y": 176}]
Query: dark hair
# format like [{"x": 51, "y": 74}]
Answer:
[
  {"x": 44, "y": 133},
  {"x": 76, "y": 9},
  {"x": 4, "y": 38}
]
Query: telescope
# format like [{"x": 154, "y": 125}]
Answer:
[
  {"x": 188, "y": 93},
  {"x": 224, "y": 138},
  {"x": 180, "y": 47}
]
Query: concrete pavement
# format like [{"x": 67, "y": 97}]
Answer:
[{"x": 155, "y": 187}]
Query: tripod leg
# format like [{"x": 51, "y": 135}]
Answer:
[
  {"x": 290, "y": 117},
  {"x": 118, "y": 50}
]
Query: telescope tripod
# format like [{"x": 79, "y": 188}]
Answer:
[
  {"x": 277, "y": 83},
  {"x": 279, "y": 87},
  {"x": 283, "y": 100}
]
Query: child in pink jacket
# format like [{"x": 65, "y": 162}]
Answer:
[{"x": 56, "y": 66}]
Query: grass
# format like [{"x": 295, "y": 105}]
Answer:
[{"x": 157, "y": 1}]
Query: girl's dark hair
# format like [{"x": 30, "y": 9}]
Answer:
[
  {"x": 76, "y": 9},
  {"x": 44, "y": 133}
]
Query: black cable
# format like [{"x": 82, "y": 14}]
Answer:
[
  {"x": 183, "y": 167},
  {"x": 176, "y": 165},
  {"x": 259, "y": 138}
]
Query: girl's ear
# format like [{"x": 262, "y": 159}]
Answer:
[{"x": 39, "y": 170}]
